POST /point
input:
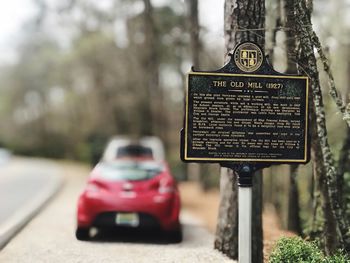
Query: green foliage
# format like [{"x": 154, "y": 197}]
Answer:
[
  {"x": 297, "y": 250},
  {"x": 339, "y": 257},
  {"x": 83, "y": 153},
  {"x": 52, "y": 145}
]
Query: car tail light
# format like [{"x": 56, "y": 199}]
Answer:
[
  {"x": 95, "y": 186},
  {"x": 91, "y": 187},
  {"x": 166, "y": 186},
  {"x": 154, "y": 186}
]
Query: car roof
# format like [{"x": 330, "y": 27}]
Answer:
[{"x": 117, "y": 142}]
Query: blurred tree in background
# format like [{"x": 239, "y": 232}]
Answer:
[
  {"x": 87, "y": 70},
  {"x": 102, "y": 72}
]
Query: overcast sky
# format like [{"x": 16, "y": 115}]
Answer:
[{"x": 14, "y": 13}]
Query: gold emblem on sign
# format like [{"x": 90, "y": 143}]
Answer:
[{"x": 248, "y": 57}]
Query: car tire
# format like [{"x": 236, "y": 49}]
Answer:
[
  {"x": 175, "y": 236},
  {"x": 82, "y": 233}
]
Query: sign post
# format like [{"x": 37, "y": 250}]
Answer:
[
  {"x": 245, "y": 194},
  {"x": 245, "y": 116},
  {"x": 245, "y": 173}
]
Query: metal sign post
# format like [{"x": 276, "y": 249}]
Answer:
[
  {"x": 245, "y": 172},
  {"x": 244, "y": 224},
  {"x": 245, "y": 184}
]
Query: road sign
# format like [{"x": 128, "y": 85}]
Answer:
[{"x": 246, "y": 112}]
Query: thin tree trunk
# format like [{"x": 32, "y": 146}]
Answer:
[
  {"x": 194, "y": 32},
  {"x": 343, "y": 166},
  {"x": 195, "y": 170},
  {"x": 344, "y": 156},
  {"x": 204, "y": 169},
  {"x": 293, "y": 222},
  {"x": 329, "y": 231},
  {"x": 240, "y": 16},
  {"x": 257, "y": 207},
  {"x": 155, "y": 110},
  {"x": 275, "y": 27},
  {"x": 293, "y": 219},
  {"x": 315, "y": 197},
  {"x": 289, "y": 24}
]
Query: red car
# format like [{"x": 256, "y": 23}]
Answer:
[{"x": 130, "y": 193}]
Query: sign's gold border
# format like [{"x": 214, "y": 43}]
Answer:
[{"x": 248, "y": 159}]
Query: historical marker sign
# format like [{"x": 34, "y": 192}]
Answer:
[{"x": 246, "y": 112}]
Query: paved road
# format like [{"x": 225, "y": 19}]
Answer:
[
  {"x": 25, "y": 184},
  {"x": 20, "y": 181},
  {"x": 49, "y": 237}
]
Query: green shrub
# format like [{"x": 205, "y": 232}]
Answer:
[
  {"x": 339, "y": 257},
  {"x": 296, "y": 250}
]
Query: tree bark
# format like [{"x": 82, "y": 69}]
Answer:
[
  {"x": 293, "y": 222},
  {"x": 226, "y": 239},
  {"x": 293, "y": 219},
  {"x": 329, "y": 231},
  {"x": 307, "y": 62},
  {"x": 194, "y": 32},
  {"x": 343, "y": 166},
  {"x": 156, "y": 124},
  {"x": 277, "y": 16},
  {"x": 244, "y": 21},
  {"x": 330, "y": 234},
  {"x": 289, "y": 24},
  {"x": 344, "y": 156},
  {"x": 204, "y": 169},
  {"x": 257, "y": 230}
]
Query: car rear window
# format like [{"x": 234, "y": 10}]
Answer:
[
  {"x": 130, "y": 170},
  {"x": 134, "y": 151}
]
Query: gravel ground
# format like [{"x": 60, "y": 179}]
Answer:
[{"x": 49, "y": 237}]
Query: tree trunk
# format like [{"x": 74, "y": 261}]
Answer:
[
  {"x": 293, "y": 220},
  {"x": 204, "y": 169},
  {"x": 257, "y": 230},
  {"x": 194, "y": 170},
  {"x": 329, "y": 231},
  {"x": 226, "y": 239},
  {"x": 194, "y": 32},
  {"x": 240, "y": 16},
  {"x": 289, "y": 24},
  {"x": 344, "y": 156},
  {"x": 155, "y": 111},
  {"x": 343, "y": 165},
  {"x": 307, "y": 61}
]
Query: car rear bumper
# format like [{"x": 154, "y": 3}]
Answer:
[
  {"x": 164, "y": 215},
  {"x": 108, "y": 219}
]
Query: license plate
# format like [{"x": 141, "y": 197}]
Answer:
[{"x": 127, "y": 219}]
